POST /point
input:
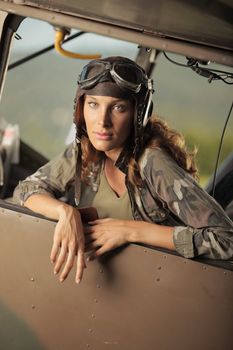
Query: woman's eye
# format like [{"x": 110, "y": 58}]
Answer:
[
  {"x": 120, "y": 108},
  {"x": 92, "y": 104}
]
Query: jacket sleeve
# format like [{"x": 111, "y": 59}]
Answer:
[
  {"x": 54, "y": 178},
  {"x": 206, "y": 230}
]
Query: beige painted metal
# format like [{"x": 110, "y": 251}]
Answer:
[
  {"x": 136, "y": 35},
  {"x": 2, "y": 19},
  {"x": 137, "y": 299},
  {"x": 3, "y": 16},
  {"x": 209, "y": 24}
]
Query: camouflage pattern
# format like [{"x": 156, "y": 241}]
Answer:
[
  {"x": 169, "y": 196},
  {"x": 201, "y": 226},
  {"x": 54, "y": 178}
]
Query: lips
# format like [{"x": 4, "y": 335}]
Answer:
[{"x": 103, "y": 135}]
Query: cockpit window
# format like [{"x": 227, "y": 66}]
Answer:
[
  {"x": 38, "y": 95},
  {"x": 196, "y": 107}
]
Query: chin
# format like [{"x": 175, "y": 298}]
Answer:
[{"x": 101, "y": 146}]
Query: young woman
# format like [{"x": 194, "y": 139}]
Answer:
[{"x": 133, "y": 169}]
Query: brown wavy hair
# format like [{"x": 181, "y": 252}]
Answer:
[{"x": 157, "y": 133}]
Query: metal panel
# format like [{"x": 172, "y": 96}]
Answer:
[
  {"x": 200, "y": 21},
  {"x": 196, "y": 42},
  {"x": 138, "y": 298}
]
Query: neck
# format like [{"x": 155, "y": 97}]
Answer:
[
  {"x": 115, "y": 177},
  {"x": 113, "y": 155}
]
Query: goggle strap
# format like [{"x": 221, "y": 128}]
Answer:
[{"x": 150, "y": 85}]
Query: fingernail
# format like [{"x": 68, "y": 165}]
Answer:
[
  {"x": 78, "y": 281},
  {"x": 55, "y": 272},
  {"x": 61, "y": 279},
  {"x": 52, "y": 261}
]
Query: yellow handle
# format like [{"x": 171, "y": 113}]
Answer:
[{"x": 59, "y": 37}]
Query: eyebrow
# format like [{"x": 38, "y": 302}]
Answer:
[
  {"x": 116, "y": 99},
  {"x": 90, "y": 96}
]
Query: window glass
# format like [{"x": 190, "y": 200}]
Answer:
[
  {"x": 196, "y": 107},
  {"x": 38, "y": 95}
]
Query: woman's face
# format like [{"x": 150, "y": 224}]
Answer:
[{"x": 109, "y": 122}]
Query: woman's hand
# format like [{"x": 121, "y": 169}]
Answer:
[
  {"x": 68, "y": 242},
  {"x": 103, "y": 235},
  {"x": 107, "y": 234}
]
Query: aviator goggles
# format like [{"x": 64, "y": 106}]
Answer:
[{"x": 126, "y": 75}]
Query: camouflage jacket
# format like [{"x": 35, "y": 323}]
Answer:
[{"x": 168, "y": 196}]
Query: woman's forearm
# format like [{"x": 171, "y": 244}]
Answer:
[
  {"x": 46, "y": 205},
  {"x": 68, "y": 240},
  {"x": 151, "y": 234}
]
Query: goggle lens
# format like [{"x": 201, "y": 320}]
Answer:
[
  {"x": 128, "y": 73},
  {"x": 91, "y": 71}
]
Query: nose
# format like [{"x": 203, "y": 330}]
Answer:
[{"x": 104, "y": 118}]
